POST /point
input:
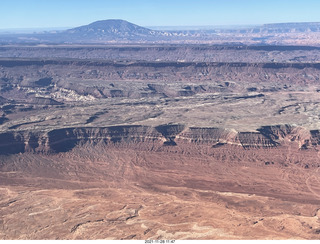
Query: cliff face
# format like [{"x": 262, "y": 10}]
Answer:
[
  {"x": 22, "y": 71},
  {"x": 65, "y": 139},
  {"x": 154, "y": 138}
]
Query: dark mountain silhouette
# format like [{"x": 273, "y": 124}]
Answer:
[{"x": 111, "y": 29}]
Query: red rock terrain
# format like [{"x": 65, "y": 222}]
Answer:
[
  {"x": 169, "y": 182},
  {"x": 127, "y": 149}
]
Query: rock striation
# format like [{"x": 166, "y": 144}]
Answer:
[{"x": 155, "y": 138}]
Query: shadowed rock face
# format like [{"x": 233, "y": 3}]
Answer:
[
  {"x": 11, "y": 143},
  {"x": 169, "y": 132},
  {"x": 150, "y": 138}
]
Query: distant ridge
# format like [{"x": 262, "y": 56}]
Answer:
[
  {"x": 292, "y": 27},
  {"x": 122, "y": 31},
  {"x": 293, "y": 24}
]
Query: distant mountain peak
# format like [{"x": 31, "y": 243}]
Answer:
[{"x": 115, "y": 28}]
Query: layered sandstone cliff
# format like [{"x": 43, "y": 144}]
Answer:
[{"x": 153, "y": 138}]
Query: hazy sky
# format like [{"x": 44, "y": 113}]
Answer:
[{"x": 71, "y": 13}]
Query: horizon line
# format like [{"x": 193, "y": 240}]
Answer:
[{"x": 166, "y": 27}]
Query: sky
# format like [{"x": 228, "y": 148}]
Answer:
[{"x": 73, "y": 13}]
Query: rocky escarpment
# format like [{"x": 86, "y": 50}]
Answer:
[
  {"x": 155, "y": 138},
  {"x": 169, "y": 52},
  {"x": 24, "y": 71},
  {"x": 53, "y": 82}
]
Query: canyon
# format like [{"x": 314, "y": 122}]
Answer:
[{"x": 152, "y": 141}]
